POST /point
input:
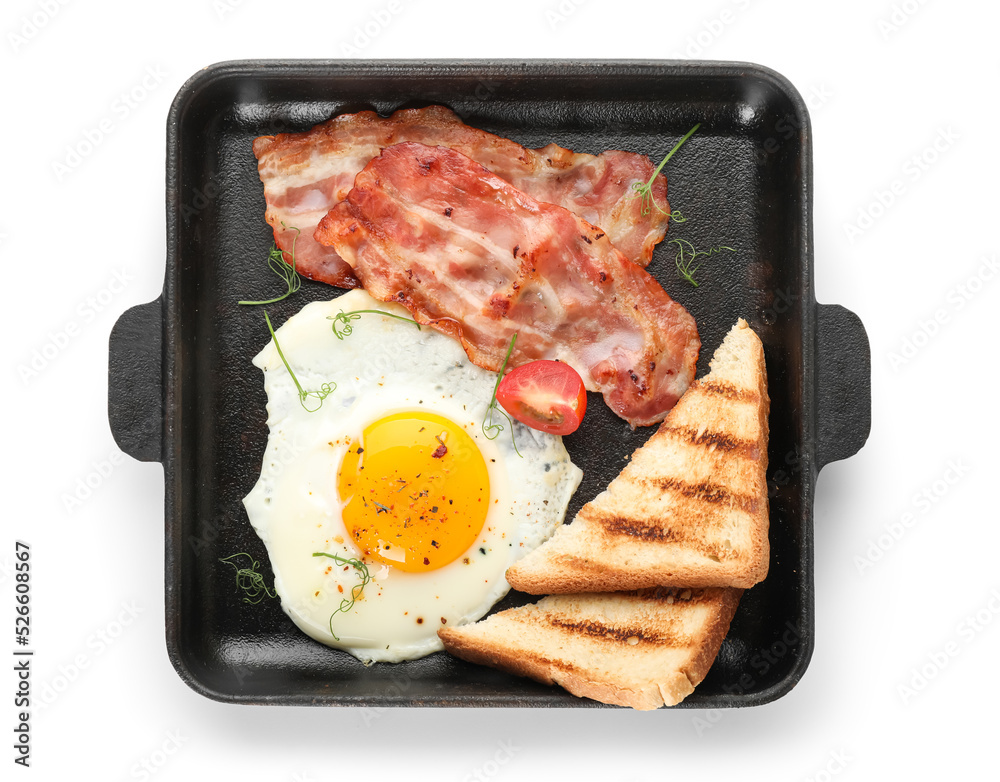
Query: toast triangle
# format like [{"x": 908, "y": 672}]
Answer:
[
  {"x": 642, "y": 649},
  {"x": 690, "y": 509}
]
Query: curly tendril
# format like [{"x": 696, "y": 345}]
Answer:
[
  {"x": 492, "y": 429},
  {"x": 325, "y": 390},
  {"x": 249, "y": 580},
  {"x": 685, "y": 269},
  {"x": 347, "y": 603},
  {"x": 645, "y": 191},
  {"x": 344, "y": 319},
  {"x": 286, "y": 271}
]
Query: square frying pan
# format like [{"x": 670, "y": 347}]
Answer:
[{"x": 182, "y": 390}]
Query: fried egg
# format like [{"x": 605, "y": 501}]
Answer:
[{"x": 386, "y": 510}]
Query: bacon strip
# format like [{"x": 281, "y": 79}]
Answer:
[
  {"x": 478, "y": 259},
  {"x": 307, "y": 174}
]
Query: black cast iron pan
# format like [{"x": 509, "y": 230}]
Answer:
[{"x": 183, "y": 391}]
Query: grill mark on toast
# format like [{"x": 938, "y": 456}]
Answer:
[
  {"x": 727, "y": 391},
  {"x": 652, "y": 531},
  {"x": 706, "y": 491},
  {"x": 721, "y": 441},
  {"x": 621, "y": 635},
  {"x": 670, "y": 595},
  {"x": 547, "y": 665},
  {"x": 645, "y": 530}
]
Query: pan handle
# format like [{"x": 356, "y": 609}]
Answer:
[
  {"x": 843, "y": 384},
  {"x": 135, "y": 381}
]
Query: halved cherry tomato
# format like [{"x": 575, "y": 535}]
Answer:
[{"x": 546, "y": 395}]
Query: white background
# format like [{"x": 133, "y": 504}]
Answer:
[{"x": 886, "y": 81}]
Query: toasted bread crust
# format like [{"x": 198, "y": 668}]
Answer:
[
  {"x": 641, "y": 649},
  {"x": 690, "y": 509}
]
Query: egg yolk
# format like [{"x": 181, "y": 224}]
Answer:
[{"x": 415, "y": 491}]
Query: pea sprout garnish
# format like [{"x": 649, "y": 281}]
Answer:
[
  {"x": 348, "y": 602},
  {"x": 492, "y": 429},
  {"x": 324, "y": 390},
  {"x": 684, "y": 262},
  {"x": 249, "y": 579},
  {"x": 645, "y": 191},
  {"x": 286, "y": 271},
  {"x": 345, "y": 318}
]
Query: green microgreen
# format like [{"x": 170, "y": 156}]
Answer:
[
  {"x": 345, "y": 318},
  {"x": 286, "y": 271},
  {"x": 645, "y": 191},
  {"x": 324, "y": 390},
  {"x": 348, "y": 602},
  {"x": 249, "y": 579},
  {"x": 686, "y": 255},
  {"x": 492, "y": 429}
]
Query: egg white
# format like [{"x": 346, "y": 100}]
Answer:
[{"x": 384, "y": 366}]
